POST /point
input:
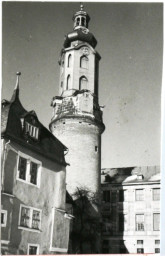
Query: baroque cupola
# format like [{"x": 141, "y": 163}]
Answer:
[
  {"x": 81, "y": 18},
  {"x": 80, "y": 31}
]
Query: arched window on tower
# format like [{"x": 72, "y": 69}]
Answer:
[
  {"x": 82, "y": 21},
  {"x": 84, "y": 62},
  {"x": 68, "y": 84},
  {"x": 83, "y": 83},
  {"x": 78, "y": 21},
  {"x": 69, "y": 60}
]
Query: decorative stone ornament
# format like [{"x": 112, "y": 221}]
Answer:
[{"x": 85, "y": 50}]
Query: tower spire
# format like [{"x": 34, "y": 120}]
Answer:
[{"x": 16, "y": 89}]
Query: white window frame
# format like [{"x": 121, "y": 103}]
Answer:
[
  {"x": 5, "y": 218},
  {"x": 36, "y": 245},
  {"x": 137, "y": 196},
  {"x": 156, "y": 230},
  {"x": 136, "y": 223},
  {"x": 31, "y": 214},
  {"x": 28, "y": 176},
  {"x": 153, "y": 194},
  {"x": 140, "y": 242}
]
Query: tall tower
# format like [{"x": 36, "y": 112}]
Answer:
[{"x": 77, "y": 118}]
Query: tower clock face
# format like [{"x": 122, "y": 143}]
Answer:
[{"x": 85, "y": 50}]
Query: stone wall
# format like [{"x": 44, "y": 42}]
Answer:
[{"x": 83, "y": 140}]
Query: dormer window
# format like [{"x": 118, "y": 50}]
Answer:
[{"x": 32, "y": 130}]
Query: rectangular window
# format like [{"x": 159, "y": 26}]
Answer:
[
  {"x": 122, "y": 222},
  {"x": 33, "y": 131},
  {"x": 113, "y": 196},
  {"x": 28, "y": 170},
  {"x": 30, "y": 217},
  {"x": 156, "y": 194},
  {"x": 36, "y": 219},
  {"x": 140, "y": 250},
  {"x": 157, "y": 241},
  {"x": 106, "y": 196},
  {"x": 157, "y": 250},
  {"x": 33, "y": 173},
  {"x": 139, "y": 222},
  {"x": 139, "y": 241},
  {"x": 121, "y": 195},
  {"x": 33, "y": 249},
  {"x": 25, "y": 217},
  {"x": 139, "y": 194},
  {"x": 22, "y": 168},
  {"x": 3, "y": 218},
  {"x": 156, "y": 221}
]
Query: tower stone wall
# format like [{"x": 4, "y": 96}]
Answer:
[{"x": 83, "y": 139}]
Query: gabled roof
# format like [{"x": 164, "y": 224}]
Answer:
[{"x": 11, "y": 127}]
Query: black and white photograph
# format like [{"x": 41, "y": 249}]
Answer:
[{"x": 81, "y": 127}]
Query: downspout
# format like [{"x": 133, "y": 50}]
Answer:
[{"x": 3, "y": 164}]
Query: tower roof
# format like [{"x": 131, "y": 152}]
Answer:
[
  {"x": 80, "y": 29},
  {"x": 81, "y": 18}
]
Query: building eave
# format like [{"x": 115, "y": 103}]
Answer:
[{"x": 32, "y": 148}]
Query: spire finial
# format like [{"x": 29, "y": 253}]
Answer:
[
  {"x": 81, "y": 7},
  {"x": 16, "y": 89},
  {"x": 17, "y": 81}
]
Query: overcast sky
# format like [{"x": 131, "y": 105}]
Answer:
[{"x": 130, "y": 42}]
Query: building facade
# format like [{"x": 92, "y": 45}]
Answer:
[
  {"x": 131, "y": 210},
  {"x": 34, "y": 219}
]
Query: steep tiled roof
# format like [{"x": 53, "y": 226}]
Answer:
[
  {"x": 11, "y": 127},
  {"x": 130, "y": 175}
]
